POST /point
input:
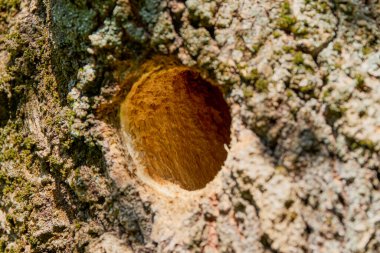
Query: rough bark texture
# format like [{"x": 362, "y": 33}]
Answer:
[{"x": 301, "y": 77}]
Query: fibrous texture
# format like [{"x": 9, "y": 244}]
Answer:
[{"x": 177, "y": 124}]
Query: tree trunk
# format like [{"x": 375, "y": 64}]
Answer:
[{"x": 189, "y": 126}]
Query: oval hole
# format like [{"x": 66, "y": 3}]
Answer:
[{"x": 177, "y": 124}]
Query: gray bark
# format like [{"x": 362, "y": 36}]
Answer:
[{"x": 302, "y": 82}]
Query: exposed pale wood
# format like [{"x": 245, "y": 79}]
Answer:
[{"x": 178, "y": 124}]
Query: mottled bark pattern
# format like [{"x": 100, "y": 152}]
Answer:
[{"x": 301, "y": 79}]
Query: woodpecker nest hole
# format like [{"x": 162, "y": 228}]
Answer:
[{"x": 177, "y": 124}]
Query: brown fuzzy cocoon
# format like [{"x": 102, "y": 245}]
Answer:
[{"x": 177, "y": 124}]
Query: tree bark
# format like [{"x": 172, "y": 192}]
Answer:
[{"x": 301, "y": 172}]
